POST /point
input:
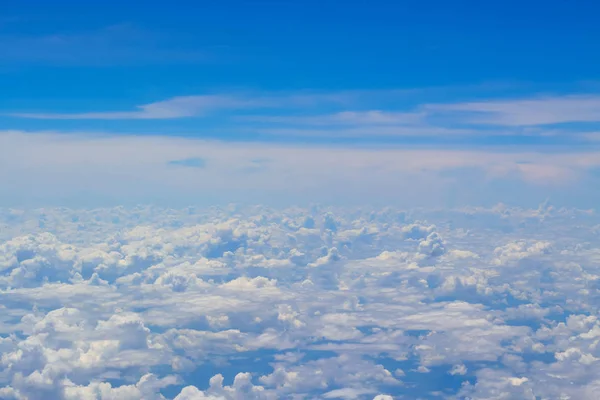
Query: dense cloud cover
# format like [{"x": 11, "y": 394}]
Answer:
[{"x": 320, "y": 303}]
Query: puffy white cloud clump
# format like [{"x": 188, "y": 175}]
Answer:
[{"x": 254, "y": 303}]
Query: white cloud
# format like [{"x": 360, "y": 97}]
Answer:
[
  {"x": 433, "y": 245},
  {"x": 367, "y": 115},
  {"x": 516, "y": 251},
  {"x": 129, "y": 169},
  {"x": 369, "y": 118},
  {"x": 150, "y": 303},
  {"x": 458, "y": 369},
  {"x": 201, "y": 105},
  {"x": 527, "y": 112},
  {"x": 176, "y": 107}
]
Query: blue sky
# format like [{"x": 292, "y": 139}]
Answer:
[{"x": 463, "y": 76}]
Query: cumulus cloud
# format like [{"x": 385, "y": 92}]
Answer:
[
  {"x": 260, "y": 303},
  {"x": 433, "y": 245}
]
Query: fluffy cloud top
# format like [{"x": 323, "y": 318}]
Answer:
[{"x": 260, "y": 303}]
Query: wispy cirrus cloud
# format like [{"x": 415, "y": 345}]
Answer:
[
  {"x": 352, "y": 124},
  {"x": 353, "y": 114},
  {"x": 368, "y": 117},
  {"x": 201, "y": 105},
  {"x": 176, "y": 107},
  {"x": 525, "y": 112},
  {"x": 373, "y": 131},
  {"x": 534, "y": 116}
]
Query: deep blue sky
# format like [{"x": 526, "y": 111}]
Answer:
[{"x": 275, "y": 45}]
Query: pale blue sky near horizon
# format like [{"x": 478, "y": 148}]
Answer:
[{"x": 465, "y": 79}]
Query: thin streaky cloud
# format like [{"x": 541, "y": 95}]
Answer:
[
  {"x": 370, "y": 131},
  {"x": 370, "y": 117},
  {"x": 348, "y": 107},
  {"x": 199, "y": 105},
  {"x": 592, "y": 136},
  {"x": 276, "y": 114},
  {"x": 176, "y": 107},
  {"x": 526, "y": 112}
]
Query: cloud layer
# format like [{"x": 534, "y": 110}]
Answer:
[
  {"x": 369, "y": 114},
  {"x": 261, "y": 303},
  {"x": 42, "y": 167}
]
